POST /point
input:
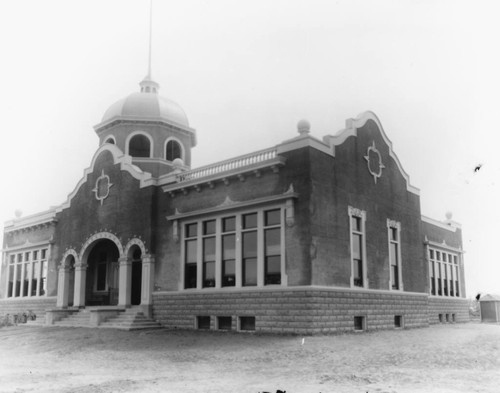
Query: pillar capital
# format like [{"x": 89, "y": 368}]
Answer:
[
  {"x": 81, "y": 266},
  {"x": 124, "y": 260},
  {"x": 148, "y": 258}
]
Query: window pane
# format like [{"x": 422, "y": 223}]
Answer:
[
  {"x": 273, "y": 241},
  {"x": 44, "y": 254},
  {"x": 356, "y": 223},
  {"x": 35, "y": 255},
  {"x": 209, "y": 249},
  {"x": 431, "y": 254},
  {"x": 273, "y": 270},
  {"x": 356, "y": 246},
  {"x": 394, "y": 277},
  {"x": 191, "y": 250},
  {"x": 250, "y": 272},
  {"x": 228, "y": 224},
  {"x": 10, "y": 289},
  {"x": 209, "y": 227},
  {"x": 229, "y": 247},
  {"x": 228, "y": 273},
  {"x": 438, "y": 255},
  {"x": 190, "y": 275},
  {"x": 43, "y": 278},
  {"x": 191, "y": 230},
  {"x": 34, "y": 282},
  {"x": 250, "y": 221},
  {"x": 394, "y": 234},
  {"x": 272, "y": 217},
  {"x": 250, "y": 244},
  {"x": 393, "y": 253},
  {"x": 27, "y": 275},
  {"x": 18, "y": 280},
  {"x": 209, "y": 274},
  {"x": 358, "y": 273}
]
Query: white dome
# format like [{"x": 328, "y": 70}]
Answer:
[{"x": 146, "y": 106}]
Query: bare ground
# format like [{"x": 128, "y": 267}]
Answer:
[{"x": 444, "y": 358}]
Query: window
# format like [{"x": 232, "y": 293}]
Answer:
[
  {"x": 139, "y": 146},
  {"x": 27, "y": 273},
  {"x": 247, "y": 323},
  {"x": 394, "y": 231},
  {"x": 173, "y": 150},
  {"x": 224, "y": 323},
  {"x": 358, "y": 255},
  {"x": 203, "y": 322},
  {"x": 239, "y": 250},
  {"x": 398, "y": 321},
  {"x": 359, "y": 323},
  {"x": 443, "y": 273},
  {"x": 229, "y": 252},
  {"x": 190, "y": 250}
]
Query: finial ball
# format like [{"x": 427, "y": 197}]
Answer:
[
  {"x": 449, "y": 215},
  {"x": 178, "y": 163},
  {"x": 303, "y": 127},
  {"x": 18, "y": 213}
]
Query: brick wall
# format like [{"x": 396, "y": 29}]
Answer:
[
  {"x": 450, "y": 306},
  {"x": 36, "y": 305},
  {"x": 303, "y": 310}
]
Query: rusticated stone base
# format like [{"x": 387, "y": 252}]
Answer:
[
  {"x": 299, "y": 310},
  {"x": 442, "y": 310},
  {"x": 22, "y": 305}
]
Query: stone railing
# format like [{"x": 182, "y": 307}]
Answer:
[{"x": 228, "y": 165}]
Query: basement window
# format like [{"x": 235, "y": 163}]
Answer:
[
  {"x": 224, "y": 323},
  {"x": 247, "y": 323},
  {"x": 203, "y": 322},
  {"x": 359, "y": 323},
  {"x": 441, "y": 318},
  {"x": 398, "y": 321}
]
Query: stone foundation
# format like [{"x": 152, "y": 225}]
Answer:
[
  {"x": 299, "y": 310},
  {"x": 15, "y": 306},
  {"x": 442, "y": 310}
]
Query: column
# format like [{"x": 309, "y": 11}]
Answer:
[
  {"x": 148, "y": 275},
  {"x": 63, "y": 286},
  {"x": 125, "y": 283},
  {"x": 80, "y": 281}
]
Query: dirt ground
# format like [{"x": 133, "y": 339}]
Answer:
[{"x": 444, "y": 358}]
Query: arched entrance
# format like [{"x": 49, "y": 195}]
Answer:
[
  {"x": 101, "y": 287},
  {"x": 136, "y": 292},
  {"x": 71, "y": 279}
]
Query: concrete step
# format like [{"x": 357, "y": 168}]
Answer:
[{"x": 131, "y": 320}]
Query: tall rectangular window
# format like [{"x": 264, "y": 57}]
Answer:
[
  {"x": 229, "y": 252},
  {"x": 190, "y": 255},
  {"x": 209, "y": 254},
  {"x": 272, "y": 239},
  {"x": 357, "y": 225},
  {"x": 244, "y": 249},
  {"x": 394, "y": 229}
]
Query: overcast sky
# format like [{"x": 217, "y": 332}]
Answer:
[{"x": 245, "y": 72}]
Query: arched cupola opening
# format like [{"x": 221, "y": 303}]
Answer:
[
  {"x": 173, "y": 150},
  {"x": 139, "y": 146}
]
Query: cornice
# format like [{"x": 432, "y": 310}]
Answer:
[
  {"x": 451, "y": 226},
  {"x": 31, "y": 222}
]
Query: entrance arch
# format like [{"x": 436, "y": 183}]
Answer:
[{"x": 102, "y": 283}]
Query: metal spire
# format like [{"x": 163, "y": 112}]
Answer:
[{"x": 147, "y": 84}]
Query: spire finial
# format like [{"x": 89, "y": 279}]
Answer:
[
  {"x": 147, "y": 84},
  {"x": 150, "y": 36}
]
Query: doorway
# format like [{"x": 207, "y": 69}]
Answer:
[{"x": 136, "y": 276}]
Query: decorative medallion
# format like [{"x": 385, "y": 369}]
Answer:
[
  {"x": 102, "y": 186},
  {"x": 374, "y": 160}
]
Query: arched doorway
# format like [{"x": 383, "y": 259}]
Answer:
[
  {"x": 71, "y": 280},
  {"x": 136, "y": 253},
  {"x": 101, "y": 288}
]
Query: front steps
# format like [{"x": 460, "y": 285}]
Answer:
[
  {"x": 128, "y": 319},
  {"x": 131, "y": 320}
]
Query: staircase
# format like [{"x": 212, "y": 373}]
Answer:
[
  {"x": 131, "y": 319},
  {"x": 80, "y": 318}
]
